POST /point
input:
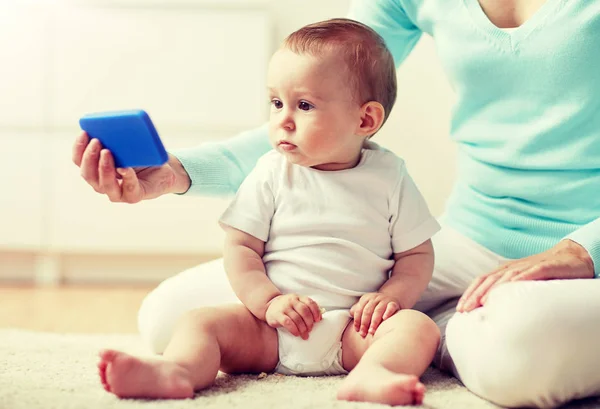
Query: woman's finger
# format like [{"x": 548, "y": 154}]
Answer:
[
  {"x": 89, "y": 164},
  {"x": 506, "y": 277},
  {"x": 467, "y": 294},
  {"x": 474, "y": 300},
  {"x": 130, "y": 186},
  {"x": 79, "y": 147},
  {"x": 537, "y": 272},
  {"x": 107, "y": 177},
  {"x": 460, "y": 307}
]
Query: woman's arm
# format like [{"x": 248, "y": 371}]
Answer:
[
  {"x": 391, "y": 21},
  {"x": 218, "y": 168}
]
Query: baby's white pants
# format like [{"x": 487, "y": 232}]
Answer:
[{"x": 534, "y": 343}]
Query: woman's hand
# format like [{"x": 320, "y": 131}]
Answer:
[
  {"x": 293, "y": 312},
  {"x": 126, "y": 185},
  {"x": 371, "y": 310},
  {"x": 566, "y": 260}
]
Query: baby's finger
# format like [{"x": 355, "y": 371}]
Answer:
[
  {"x": 301, "y": 329},
  {"x": 276, "y": 320},
  {"x": 314, "y": 308},
  {"x": 390, "y": 310},
  {"x": 365, "y": 320},
  {"x": 353, "y": 309},
  {"x": 288, "y": 323},
  {"x": 304, "y": 311},
  {"x": 358, "y": 311},
  {"x": 377, "y": 318}
]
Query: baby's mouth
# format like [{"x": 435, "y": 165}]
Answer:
[{"x": 286, "y": 146}]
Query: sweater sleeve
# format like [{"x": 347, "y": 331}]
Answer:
[
  {"x": 218, "y": 168},
  {"x": 588, "y": 236},
  {"x": 390, "y": 20}
]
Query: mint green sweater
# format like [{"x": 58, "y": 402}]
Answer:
[{"x": 526, "y": 121}]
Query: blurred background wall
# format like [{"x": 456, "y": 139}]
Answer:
[{"x": 198, "y": 67}]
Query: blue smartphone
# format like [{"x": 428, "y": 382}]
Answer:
[{"x": 129, "y": 135}]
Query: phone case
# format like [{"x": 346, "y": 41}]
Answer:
[{"x": 129, "y": 135}]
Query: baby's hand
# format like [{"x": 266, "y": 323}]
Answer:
[
  {"x": 295, "y": 313},
  {"x": 371, "y": 310}
]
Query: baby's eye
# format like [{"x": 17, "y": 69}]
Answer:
[
  {"x": 305, "y": 106},
  {"x": 277, "y": 103}
]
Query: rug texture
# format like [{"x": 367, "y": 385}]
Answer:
[{"x": 58, "y": 371}]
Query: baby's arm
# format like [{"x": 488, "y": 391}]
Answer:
[
  {"x": 246, "y": 272},
  {"x": 411, "y": 273},
  {"x": 242, "y": 256},
  {"x": 409, "y": 278}
]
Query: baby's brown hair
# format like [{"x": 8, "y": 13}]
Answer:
[{"x": 369, "y": 61}]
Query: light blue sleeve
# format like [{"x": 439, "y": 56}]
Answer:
[
  {"x": 390, "y": 20},
  {"x": 218, "y": 168},
  {"x": 588, "y": 236}
]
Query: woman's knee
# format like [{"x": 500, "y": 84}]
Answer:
[
  {"x": 194, "y": 288},
  {"x": 156, "y": 318},
  {"x": 525, "y": 347}
]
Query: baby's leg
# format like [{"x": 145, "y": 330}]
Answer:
[
  {"x": 385, "y": 367},
  {"x": 229, "y": 338}
]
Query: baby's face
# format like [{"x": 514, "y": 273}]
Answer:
[{"x": 314, "y": 116}]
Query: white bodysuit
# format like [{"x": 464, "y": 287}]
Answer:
[{"x": 331, "y": 236}]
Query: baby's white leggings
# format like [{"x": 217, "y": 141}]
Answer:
[{"x": 535, "y": 343}]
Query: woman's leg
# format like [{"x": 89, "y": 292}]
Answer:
[
  {"x": 534, "y": 343},
  {"x": 201, "y": 286},
  {"x": 458, "y": 261}
]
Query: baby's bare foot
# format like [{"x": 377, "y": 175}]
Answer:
[
  {"x": 374, "y": 383},
  {"x": 128, "y": 376}
]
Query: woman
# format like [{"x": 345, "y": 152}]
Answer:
[{"x": 520, "y": 244}]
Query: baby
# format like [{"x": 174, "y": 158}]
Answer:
[{"x": 327, "y": 242}]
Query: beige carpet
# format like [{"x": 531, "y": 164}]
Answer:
[{"x": 51, "y": 371}]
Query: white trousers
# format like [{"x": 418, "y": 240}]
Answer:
[{"x": 533, "y": 344}]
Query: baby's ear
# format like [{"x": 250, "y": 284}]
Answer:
[{"x": 372, "y": 115}]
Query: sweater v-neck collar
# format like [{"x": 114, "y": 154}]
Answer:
[{"x": 510, "y": 40}]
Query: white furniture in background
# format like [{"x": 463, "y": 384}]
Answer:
[{"x": 198, "y": 68}]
